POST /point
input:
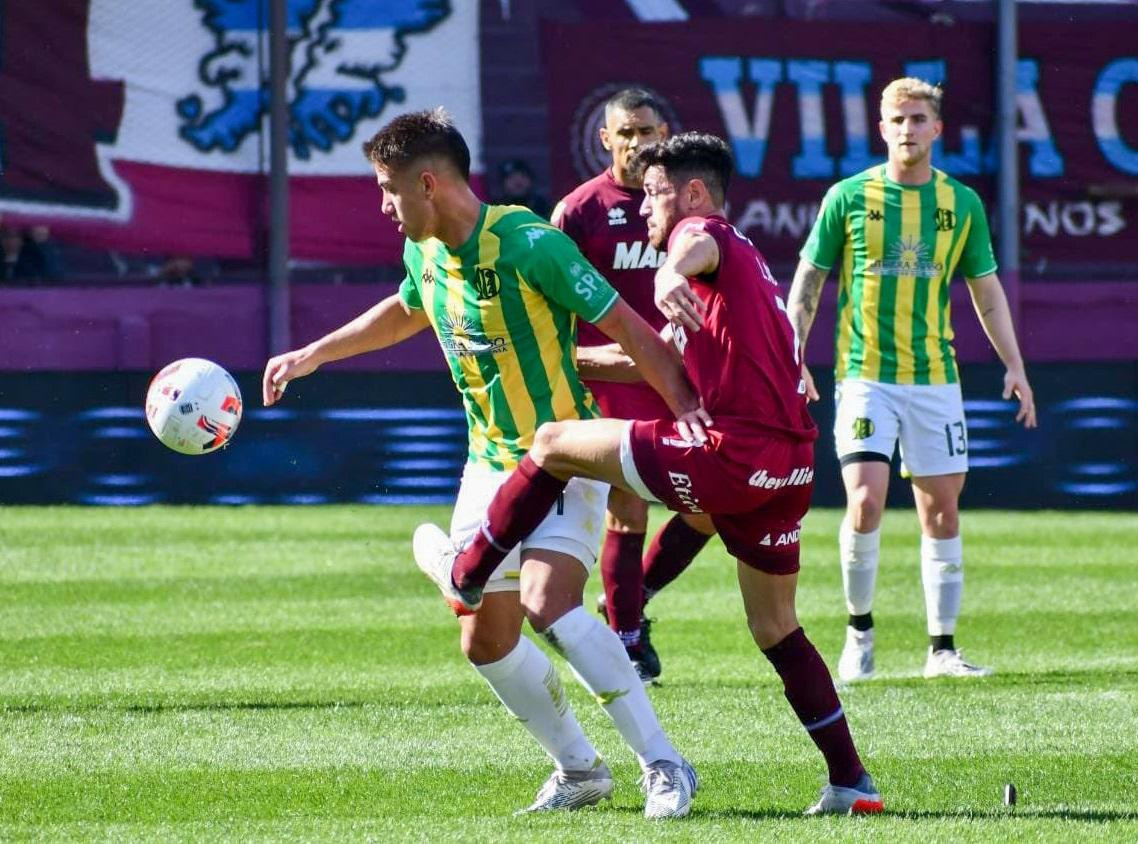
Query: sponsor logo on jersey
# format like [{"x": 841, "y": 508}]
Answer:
[
  {"x": 586, "y": 284},
  {"x": 908, "y": 256},
  {"x": 862, "y": 428},
  {"x": 677, "y": 442},
  {"x": 617, "y": 217},
  {"x": 428, "y": 275},
  {"x": 788, "y": 538},
  {"x": 798, "y": 477},
  {"x": 459, "y": 336},
  {"x": 681, "y": 485},
  {"x": 534, "y": 234},
  {"x": 875, "y": 215},
  {"x": 637, "y": 255}
]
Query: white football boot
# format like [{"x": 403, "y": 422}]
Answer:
[
  {"x": 434, "y": 554},
  {"x": 862, "y": 799},
  {"x": 669, "y": 789},
  {"x": 950, "y": 663},
  {"x": 571, "y": 790},
  {"x": 856, "y": 661}
]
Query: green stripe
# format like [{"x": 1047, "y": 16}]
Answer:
[
  {"x": 887, "y": 301},
  {"x": 500, "y": 414}
]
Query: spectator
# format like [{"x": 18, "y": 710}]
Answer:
[
  {"x": 516, "y": 187},
  {"x": 18, "y": 261}
]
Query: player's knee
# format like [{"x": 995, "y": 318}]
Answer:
[
  {"x": 771, "y": 628},
  {"x": 943, "y": 523},
  {"x": 544, "y": 446},
  {"x": 484, "y": 647},
  {"x": 865, "y": 509}
]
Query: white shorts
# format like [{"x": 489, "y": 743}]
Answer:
[
  {"x": 573, "y": 526},
  {"x": 926, "y": 419}
]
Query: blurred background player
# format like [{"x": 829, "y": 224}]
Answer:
[
  {"x": 509, "y": 348},
  {"x": 900, "y": 230},
  {"x": 747, "y": 458},
  {"x": 603, "y": 218},
  {"x": 517, "y": 186}
]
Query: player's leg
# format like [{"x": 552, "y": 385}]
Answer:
[
  {"x": 769, "y": 603},
  {"x": 622, "y": 575},
  {"x": 942, "y": 572},
  {"x": 519, "y": 672},
  {"x": 768, "y": 586},
  {"x": 557, "y": 557},
  {"x": 673, "y": 548},
  {"x": 866, "y": 426},
  {"x": 934, "y": 449},
  {"x": 528, "y": 685}
]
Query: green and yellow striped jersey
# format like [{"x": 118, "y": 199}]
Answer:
[
  {"x": 504, "y": 306},
  {"x": 899, "y": 246}
]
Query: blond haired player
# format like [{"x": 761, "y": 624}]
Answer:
[{"x": 898, "y": 232}]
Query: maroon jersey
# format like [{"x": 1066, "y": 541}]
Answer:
[
  {"x": 744, "y": 361},
  {"x": 604, "y": 221}
]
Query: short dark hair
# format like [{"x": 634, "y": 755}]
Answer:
[
  {"x": 630, "y": 99},
  {"x": 416, "y": 135},
  {"x": 692, "y": 155}
]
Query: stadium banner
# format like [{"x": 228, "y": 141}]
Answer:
[
  {"x": 144, "y": 126},
  {"x": 384, "y": 438},
  {"x": 799, "y": 104}
]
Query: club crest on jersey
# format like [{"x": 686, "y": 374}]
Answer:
[
  {"x": 944, "y": 219},
  {"x": 486, "y": 283},
  {"x": 617, "y": 217},
  {"x": 862, "y": 428}
]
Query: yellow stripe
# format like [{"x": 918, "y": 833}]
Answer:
[
  {"x": 513, "y": 385},
  {"x": 950, "y": 268},
  {"x": 871, "y": 282},
  {"x": 938, "y": 366},
  {"x": 906, "y": 285},
  {"x": 545, "y": 332}
]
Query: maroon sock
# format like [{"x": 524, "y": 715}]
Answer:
[
  {"x": 808, "y": 687},
  {"x": 518, "y": 507},
  {"x": 671, "y": 551},
  {"x": 624, "y": 583}
]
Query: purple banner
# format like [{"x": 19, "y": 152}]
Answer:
[{"x": 799, "y": 103}]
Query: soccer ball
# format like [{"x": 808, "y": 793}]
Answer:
[{"x": 193, "y": 406}]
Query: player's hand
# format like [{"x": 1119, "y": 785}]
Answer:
[
  {"x": 693, "y": 424},
  {"x": 808, "y": 382},
  {"x": 1015, "y": 384},
  {"x": 677, "y": 301},
  {"x": 282, "y": 369}
]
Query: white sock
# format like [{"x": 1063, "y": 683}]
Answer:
[
  {"x": 602, "y": 666},
  {"x": 530, "y": 688},
  {"x": 859, "y": 554},
  {"x": 942, "y": 573}
]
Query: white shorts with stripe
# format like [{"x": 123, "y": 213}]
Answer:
[{"x": 925, "y": 420}]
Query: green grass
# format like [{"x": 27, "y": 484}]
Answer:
[{"x": 287, "y": 674}]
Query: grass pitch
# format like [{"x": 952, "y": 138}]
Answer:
[{"x": 287, "y": 674}]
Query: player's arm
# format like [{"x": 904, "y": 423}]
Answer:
[
  {"x": 801, "y": 308},
  {"x": 658, "y": 366},
  {"x": 387, "y": 323},
  {"x": 995, "y": 316},
  {"x": 692, "y": 253},
  {"x": 606, "y": 363}
]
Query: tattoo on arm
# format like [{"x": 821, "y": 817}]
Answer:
[{"x": 804, "y": 295}]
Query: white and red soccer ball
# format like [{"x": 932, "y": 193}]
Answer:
[{"x": 193, "y": 406}]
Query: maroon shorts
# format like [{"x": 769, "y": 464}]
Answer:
[
  {"x": 636, "y": 400},
  {"x": 755, "y": 486}
]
